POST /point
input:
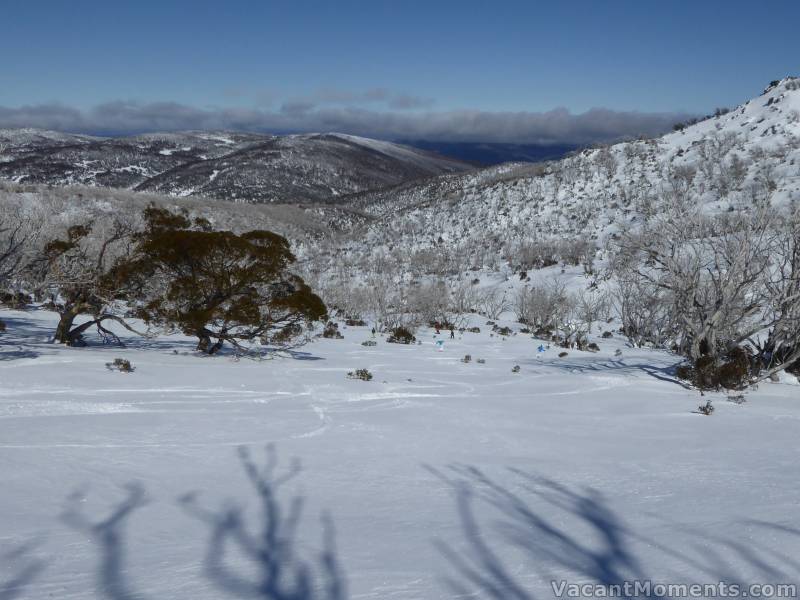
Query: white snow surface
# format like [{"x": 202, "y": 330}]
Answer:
[{"x": 442, "y": 478}]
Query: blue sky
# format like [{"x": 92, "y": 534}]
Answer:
[{"x": 397, "y": 58}]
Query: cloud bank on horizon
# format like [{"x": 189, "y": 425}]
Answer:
[{"x": 404, "y": 117}]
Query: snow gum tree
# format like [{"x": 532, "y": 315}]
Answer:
[
  {"x": 76, "y": 269},
  {"x": 218, "y": 285}
]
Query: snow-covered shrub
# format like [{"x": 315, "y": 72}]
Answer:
[
  {"x": 362, "y": 374},
  {"x": 122, "y": 365},
  {"x": 543, "y": 307}
]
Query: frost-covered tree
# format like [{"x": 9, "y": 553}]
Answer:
[{"x": 712, "y": 283}]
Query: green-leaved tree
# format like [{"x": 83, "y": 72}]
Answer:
[{"x": 218, "y": 285}]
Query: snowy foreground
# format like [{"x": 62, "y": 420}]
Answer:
[{"x": 441, "y": 478}]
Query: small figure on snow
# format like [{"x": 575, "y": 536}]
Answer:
[
  {"x": 440, "y": 345},
  {"x": 452, "y": 334}
]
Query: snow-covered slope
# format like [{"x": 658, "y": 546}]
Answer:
[{"x": 590, "y": 468}]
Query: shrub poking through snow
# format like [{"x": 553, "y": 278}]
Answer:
[
  {"x": 355, "y": 323},
  {"x": 474, "y": 329},
  {"x": 331, "y": 331},
  {"x": 401, "y": 335},
  {"x": 369, "y": 343},
  {"x": 706, "y": 408},
  {"x": 738, "y": 399},
  {"x": 607, "y": 334},
  {"x": 467, "y": 358},
  {"x": 515, "y": 369},
  {"x": 16, "y": 300},
  {"x": 732, "y": 372},
  {"x": 481, "y": 361},
  {"x": 503, "y": 331},
  {"x": 592, "y": 347},
  {"x": 563, "y": 354},
  {"x": 120, "y": 364},
  {"x": 362, "y": 374}
]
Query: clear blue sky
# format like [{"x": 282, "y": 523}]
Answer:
[{"x": 503, "y": 56}]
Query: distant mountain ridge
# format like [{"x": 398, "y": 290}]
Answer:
[{"x": 247, "y": 167}]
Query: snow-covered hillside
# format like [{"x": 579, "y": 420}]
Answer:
[
  {"x": 749, "y": 154},
  {"x": 229, "y": 166},
  {"x": 441, "y": 478}
]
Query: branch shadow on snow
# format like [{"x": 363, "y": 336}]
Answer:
[
  {"x": 281, "y": 572},
  {"x": 541, "y": 531},
  {"x": 276, "y": 570},
  {"x": 28, "y": 570},
  {"x": 666, "y": 374},
  {"x": 21, "y": 338}
]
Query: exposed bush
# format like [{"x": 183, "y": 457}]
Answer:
[
  {"x": 122, "y": 365},
  {"x": 515, "y": 369},
  {"x": 355, "y": 323},
  {"x": 506, "y": 331},
  {"x": 563, "y": 354},
  {"x": 467, "y": 358},
  {"x": 369, "y": 343},
  {"x": 16, "y": 300},
  {"x": 331, "y": 331},
  {"x": 607, "y": 334},
  {"x": 362, "y": 374},
  {"x": 481, "y": 361},
  {"x": 474, "y": 329},
  {"x": 709, "y": 374},
  {"x": 706, "y": 408},
  {"x": 401, "y": 335},
  {"x": 592, "y": 347}
]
